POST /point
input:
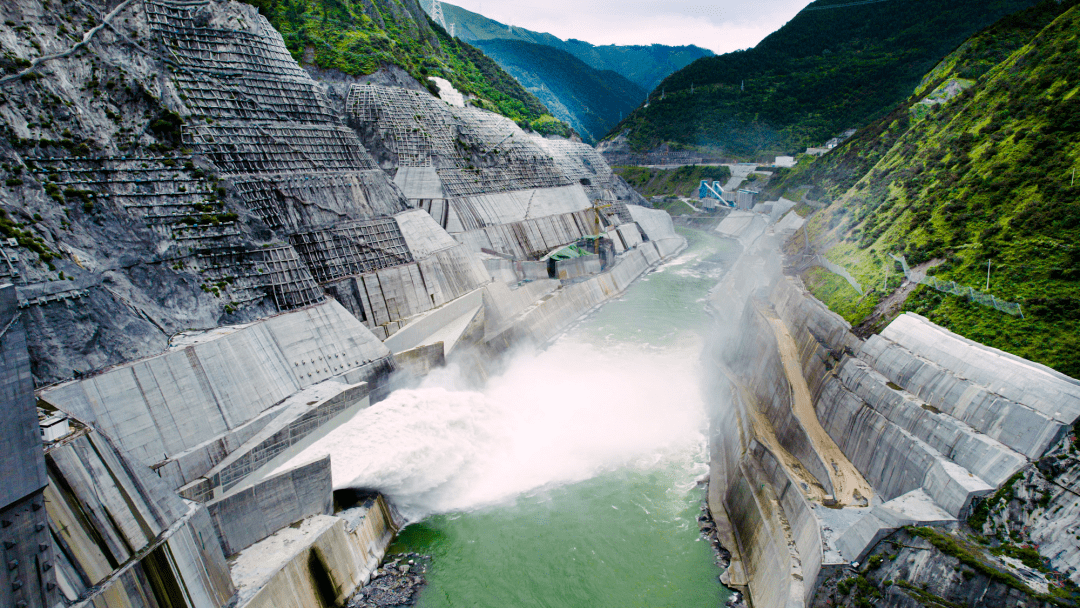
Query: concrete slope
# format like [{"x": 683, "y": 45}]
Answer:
[
  {"x": 849, "y": 486},
  {"x": 765, "y": 433}
]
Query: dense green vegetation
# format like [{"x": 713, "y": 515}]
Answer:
[
  {"x": 645, "y": 66},
  {"x": 589, "y": 100},
  {"x": 826, "y": 70},
  {"x": 683, "y": 181},
  {"x": 983, "y": 179},
  {"x": 358, "y": 37}
]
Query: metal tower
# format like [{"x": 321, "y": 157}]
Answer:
[{"x": 436, "y": 13}]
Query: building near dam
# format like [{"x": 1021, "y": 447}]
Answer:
[{"x": 309, "y": 248}]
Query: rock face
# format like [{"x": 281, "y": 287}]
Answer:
[{"x": 176, "y": 169}]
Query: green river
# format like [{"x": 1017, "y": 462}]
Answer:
[{"x": 619, "y": 530}]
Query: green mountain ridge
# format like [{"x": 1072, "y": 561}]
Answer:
[
  {"x": 645, "y": 66},
  {"x": 821, "y": 73},
  {"x": 589, "y": 100},
  {"x": 360, "y": 37},
  {"x": 983, "y": 181}
]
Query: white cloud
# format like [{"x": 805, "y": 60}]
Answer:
[{"x": 720, "y": 26}]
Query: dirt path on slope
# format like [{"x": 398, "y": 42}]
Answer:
[
  {"x": 848, "y": 484},
  {"x": 889, "y": 308}
]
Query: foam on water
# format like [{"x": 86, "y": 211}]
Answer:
[{"x": 558, "y": 416}]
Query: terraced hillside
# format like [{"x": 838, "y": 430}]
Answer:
[
  {"x": 357, "y": 39},
  {"x": 178, "y": 169}
]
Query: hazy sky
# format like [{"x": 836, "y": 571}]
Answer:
[{"x": 719, "y": 25}]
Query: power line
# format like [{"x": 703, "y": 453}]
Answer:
[{"x": 822, "y": 8}]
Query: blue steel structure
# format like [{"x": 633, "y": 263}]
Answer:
[{"x": 714, "y": 191}]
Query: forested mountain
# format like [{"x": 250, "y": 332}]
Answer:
[
  {"x": 645, "y": 66},
  {"x": 587, "y": 99},
  {"x": 974, "y": 178},
  {"x": 836, "y": 65},
  {"x": 358, "y": 37}
]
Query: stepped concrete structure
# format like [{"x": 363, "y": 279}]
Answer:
[
  {"x": 240, "y": 260},
  {"x": 922, "y": 421}
]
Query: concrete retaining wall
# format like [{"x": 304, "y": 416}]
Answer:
[
  {"x": 805, "y": 530},
  {"x": 308, "y": 411},
  {"x": 655, "y": 223},
  {"x": 578, "y": 267},
  {"x": 124, "y": 537},
  {"x": 893, "y": 460},
  {"x": 549, "y": 318},
  {"x": 985, "y": 457},
  {"x": 503, "y": 305},
  {"x": 247, "y": 516},
  {"x": 422, "y": 234},
  {"x": 419, "y": 331},
  {"x": 517, "y": 206},
  {"x": 748, "y": 513},
  {"x": 757, "y": 357},
  {"x": 821, "y": 336},
  {"x": 630, "y": 235},
  {"x": 176, "y": 401},
  {"x": 1036, "y": 386},
  {"x": 418, "y": 362},
  {"x": 185, "y": 567},
  {"x": 533, "y": 238},
  {"x": 763, "y": 541},
  {"x": 187, "y": 466},
  {"x": 1018, "y": 426},
  {"x": 335, "y": 557}
]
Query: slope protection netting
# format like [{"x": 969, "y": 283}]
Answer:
[
  {"x": 266, "y": 125},
  {"x": 477, "y": 152},
  {"x": 956, "y": 289}
]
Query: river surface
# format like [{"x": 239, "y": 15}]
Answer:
[{"x": 575, "y": 481}]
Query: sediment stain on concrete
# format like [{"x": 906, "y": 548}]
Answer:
[{"x": 849, "y": 486}]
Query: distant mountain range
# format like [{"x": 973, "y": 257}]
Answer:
[
  {"x": 645, "y": 66},
  {"x": 589, "y": 100},
  {"x": 590, "y": 87},
  {"x": 838, "y": 64}
]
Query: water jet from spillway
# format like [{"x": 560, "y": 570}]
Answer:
[{"x": 553, "y": 417}]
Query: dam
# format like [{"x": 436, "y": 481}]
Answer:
[
  {"x": 578, "y": 491},
  {"x": 283, "y": 326}
]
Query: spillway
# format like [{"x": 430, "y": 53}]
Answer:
[{"x": 571, "y": 478}]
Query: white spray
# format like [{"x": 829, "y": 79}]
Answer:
[{"x": 558, "y": 416}]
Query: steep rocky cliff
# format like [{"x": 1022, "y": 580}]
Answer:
[{"x": 170, "y": 166}]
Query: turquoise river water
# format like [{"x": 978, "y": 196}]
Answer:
[{"x": 594, "y": 498}]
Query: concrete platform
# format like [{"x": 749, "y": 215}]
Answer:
[
  {"x": 290, "y": 567},
  {"x": 185, "y": 397},
  {"x": 915, "y": 508}
]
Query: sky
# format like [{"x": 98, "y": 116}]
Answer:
[{"x": 720, "y": 25}]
